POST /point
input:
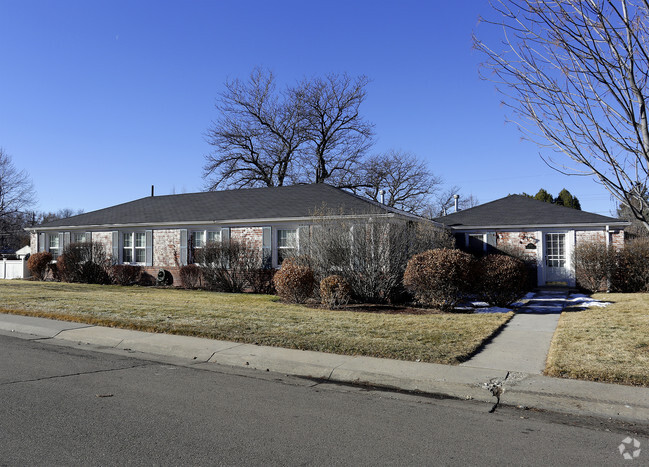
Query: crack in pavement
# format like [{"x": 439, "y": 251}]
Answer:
[{"x": 81, "y": 373}]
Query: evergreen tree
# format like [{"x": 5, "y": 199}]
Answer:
[
  {"x": 543, "y": 195},
  {"x": 566, "y": 199}
]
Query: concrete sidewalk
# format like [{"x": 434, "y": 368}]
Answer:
[
  {"x": 619, "y": 402},
  {"x": 523, "y": 344}
]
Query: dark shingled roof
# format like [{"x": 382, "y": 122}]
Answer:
[
  {"x": 518, "y": 210},
  {"x": 230, "y": 205}
]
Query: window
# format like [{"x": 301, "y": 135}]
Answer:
[
  {"x": 476, "y": 243},
  {"x": 134, "y": 250},
  {"x": 286, "y": 244},
  {"x": 200, "y": 238},
  {"x": 79, "y": 237},
  {"x": 555, "y": 250},
  {"x": 54, "y": 247}
]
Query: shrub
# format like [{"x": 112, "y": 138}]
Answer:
[
  {"x": 294, "y": 282},
  {"x": 593, "y": 263},
  {"x": 371, "y": 256},
  {"x": 500, "y": 280},
  {"x": 126, "y": 274},
  {"x": 226, "y": 267},
  {"x": 84, "y": 262},
  {"x": 631, "y": 270},
  {"x": 38, "y": 263},
  {"x": 335, "y": 291},
  {"x": 190, "y": 276},
  {"x": 439, "y": 278},
  {"x": 261, "y": 281}
]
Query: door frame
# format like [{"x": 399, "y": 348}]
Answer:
[{"x": 569, "y": 245}]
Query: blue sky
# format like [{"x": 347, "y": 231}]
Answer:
[{"x": 100, "y": 100}]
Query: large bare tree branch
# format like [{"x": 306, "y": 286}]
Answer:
[
  {"x": 575, "y": 73},
  {"x": 256, "y": 137}
]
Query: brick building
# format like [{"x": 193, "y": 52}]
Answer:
[
  {"x": 542, "y": 233},
  {"x": 160, "y": 232}
]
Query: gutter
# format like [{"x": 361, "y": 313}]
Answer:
[{"x": 620, "y": 224}]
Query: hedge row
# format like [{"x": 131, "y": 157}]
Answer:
[
  {"x": 599, "y": 268},
  {"x": 438, "y": 278}
]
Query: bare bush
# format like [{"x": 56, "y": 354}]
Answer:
[
  {"x": 38, "y": 263},
  {"x": 190, "y": 276},
  {"x": 500, "y": 279},
  {"x": 593, "y": 264},
  {"x": 85, "y": 262},
  {"x": 294, "y": 282},
  {"x": 228, "y": 267},
  {"x": 371, "y": 255},
  {"x": 126, "y": 274},
  {"x": 439, "y": 278},
  {"x": 631, "y": 271},
  {"x": 335, "y": 291}
]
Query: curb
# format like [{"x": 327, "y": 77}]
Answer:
[{"x": 583, "y": 398}]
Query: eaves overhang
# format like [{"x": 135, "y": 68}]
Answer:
[
  {"x": 231, "y": 222},
  {"x": 620, "y": 224}
]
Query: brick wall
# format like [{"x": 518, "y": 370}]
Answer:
[
  {"x": 253, "y": 236},
  {"x": 589, "y": 236},
  {"x": 617, "y": 240},
  {"x": 105, "y": 239},
  {"x": 166, "y": 248},
  {"x": 518, "y": 243}
]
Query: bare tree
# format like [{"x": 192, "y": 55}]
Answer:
[
  {"x": 370, "y": 255},
  {"x": 576, "y": 73},
  {"x": 406, "y": 180},
  {"x": 256, "y": 136},
  {"x": 309, "y": 132},
  {"x": 16, "y": 195},
  {"x": 45, "y": 217},
  {"x": 338, "y": 136},
  {"x": 444, "y": 202}
]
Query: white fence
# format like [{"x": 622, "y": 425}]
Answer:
[{"x": 14, "y": 269}]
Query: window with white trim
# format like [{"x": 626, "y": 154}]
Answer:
[
  {"x": 476, "y": 243},
  {"x": 79, "y": 237},
  {"x": 200, "y": 238},
  {"x": 134, "y": 247},
  {"x": 53, "y": 245},
  {"x": 286, "y": 244}
]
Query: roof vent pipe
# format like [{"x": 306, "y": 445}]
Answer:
[
  {"x": 456, "y": 198},
  {"x": 152, "y": 190},
  {"x": 382, "y": 194}
]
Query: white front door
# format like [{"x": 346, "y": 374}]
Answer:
[{"x": 556, "y": 259}]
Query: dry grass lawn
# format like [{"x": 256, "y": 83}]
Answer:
[
  {"x": 608, "y": 344},
  {"x": 260, "y": 319}
]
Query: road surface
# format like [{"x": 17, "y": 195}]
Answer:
[{"x": 66, "y": 405}]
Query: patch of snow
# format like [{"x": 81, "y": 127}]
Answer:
[
  {"x": 492, "y": 309},
  {"x": 585, "y": 300}
]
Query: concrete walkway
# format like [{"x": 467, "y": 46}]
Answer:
[
  {"x": 624, "y": 403},
  {"x": 523, "y": 344}
]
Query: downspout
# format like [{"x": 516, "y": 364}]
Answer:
[{"x": 608, "y": 237}]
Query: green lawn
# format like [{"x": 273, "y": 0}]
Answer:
[
  {"x": 262, "y": 319},
  {"x": 604, "y": 344}
]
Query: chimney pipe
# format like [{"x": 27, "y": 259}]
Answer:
[
  {"x": 456, "y": 198},
  {"x": 152, "y": 190},
  {"x": 382, "y": 194}
]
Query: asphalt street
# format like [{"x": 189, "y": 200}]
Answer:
[{"x": 65, "y": 405}]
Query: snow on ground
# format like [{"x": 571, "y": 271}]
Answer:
[
  {"x": 574, "y": 299},
  {"x": 584, "y": 300},
  {"x": 491, "y": 309}
]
